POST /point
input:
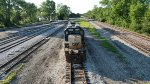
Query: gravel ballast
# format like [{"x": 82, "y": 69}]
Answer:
[
  {"x": 46, "y": 65},
  {"x": 110, "y": 69}
]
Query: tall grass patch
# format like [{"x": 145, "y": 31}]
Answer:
[
  {"x": 103, "y": 40},
  {"x": 11, "y": 75}
]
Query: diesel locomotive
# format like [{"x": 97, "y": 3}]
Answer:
[{"x": 74, "y": 45}]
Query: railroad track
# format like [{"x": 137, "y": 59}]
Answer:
[
  {"x": 6, "y": 67},
  {"x": 19, "y": 35},
  {"x": 12, "y": 35},
  {"x": 21, "y": 40},
  {"x": 76, "y": 74},
  {"x": 139, "y": 45},
  {"x": 125, "y": 31}
]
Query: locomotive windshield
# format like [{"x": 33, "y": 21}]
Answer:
[{"x": 74, "y": 31}]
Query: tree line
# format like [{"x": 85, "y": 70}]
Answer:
[
  {"x": 131, "y": 14},
  {"x": 20, "y": 12}
]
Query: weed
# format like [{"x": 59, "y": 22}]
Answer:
[
  {"x": 103, "y": 40},
  {"x": 148, "y": 83},
  {"x": 105, "y": 43},
  {"x": 12, "y": 75}
]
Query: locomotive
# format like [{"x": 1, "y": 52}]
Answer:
[{"x": 74, "y": 45}]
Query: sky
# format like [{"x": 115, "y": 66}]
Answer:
[{"x": 76, "y": 6}]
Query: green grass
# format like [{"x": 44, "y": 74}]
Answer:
[
  {"x": 103, "y": 41},
  {"x": 12, "y": 75},
  {"x": 90, "y": 28},
  {"x": 147, "y": 83},
  {"x": 94, "y": 32},
  {"x": 85, "y": 24}
]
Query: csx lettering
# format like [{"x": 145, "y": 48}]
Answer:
[{"x": 75, "y": 44}]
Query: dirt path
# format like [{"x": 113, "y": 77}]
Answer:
[{"x": 46, "y": 65}]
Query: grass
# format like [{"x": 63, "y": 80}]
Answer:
[
  {"x": 12, "y": 75},
  {"x": 85, "y": 24},
  {"x": 105, "y": 43},
  {"x": 103, "y": 40},
  {"x": 94, "y": 32}
]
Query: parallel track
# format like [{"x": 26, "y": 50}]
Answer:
[
  {"x": 13, "y": 44},
  {"x": 16, "y": 37},
  {"x": 12, "y": 35},
  {"x": 19, "y": 35},
  {"x": 5, "y": 68},
  {"x": 127, "y": 31},
  {"x": 143, "y": 48},
  {"x": 139, "y": 45}
]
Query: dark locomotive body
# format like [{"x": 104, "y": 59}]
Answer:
[{"x": 74, "y": 44}]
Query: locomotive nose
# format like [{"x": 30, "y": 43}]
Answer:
[{"x": 74, "y": 44}]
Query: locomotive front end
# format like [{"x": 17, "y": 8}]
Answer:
[{"x": 74, "y": 44}]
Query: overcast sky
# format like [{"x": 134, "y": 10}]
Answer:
[{"x": 76, "y": 6}]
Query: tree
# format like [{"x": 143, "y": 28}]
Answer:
[
  {"x": 63, "y": 11},
  {"x": 146, "y": 22},
  {"x": 137, "y": 11},
  {"x": 73, "y": 15},
  {"x": 16, "y": 12},
  {"x": 133, "y": 14},
  {"x": 48, "y": 9},
  {"x": 6, "y": 7}
]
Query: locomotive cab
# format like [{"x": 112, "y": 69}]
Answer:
[{"x": 74, "y": 44}]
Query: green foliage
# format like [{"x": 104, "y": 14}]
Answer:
[
  {"x": 48, "y": 9},
  {"x": 63, "y": 11},
  {"x": 12, "y": 75},
  {"x": 94, "y": 32},
  {"x": 16, "y": 12},
  {"x": 19, "y": 12},
  {"x": 84, "y": 24},
  {"x": 105, "y": 2},
  {"x": 146, "y": 23},
  {"x": 105, "y": 43},
  {"x": 73, "y": 15},
  {"x": 132, "y": 14},
  {"x": 148, "y": 83}
]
